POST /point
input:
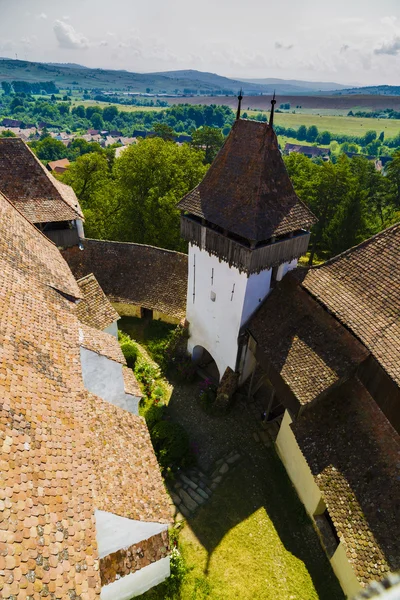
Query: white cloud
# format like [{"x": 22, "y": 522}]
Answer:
[
  {"x": 42, "y": 16},
  {"x": 281, "y": 46},
  {"x": 68, "y": 37},
  {"x": 391, "y": 48}
]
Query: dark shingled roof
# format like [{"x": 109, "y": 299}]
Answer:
[
  {"x": 134, "y": 274},
  {"x": 361, "y": 287},
  {"x": 31, "y": 188},
  {"x": 94, "y": 309},
  {"x": 354, "y": 455},
  {"x": 309, "y": 349},
  {"x": 247, "y": 189}
]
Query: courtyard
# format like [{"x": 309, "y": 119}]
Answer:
[{"x": 248, "y": 535}]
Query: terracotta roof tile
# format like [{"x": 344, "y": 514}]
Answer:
[
  {"x": 308, "y": 347},
  {"x": 100, "y": 342},
  {"x": 361, "y": 287},
  {"x": 247, "y": 189},
  {"x": 135, "y": 274},
  {"x": 94, "y": 309},
  {"x": 31, "y": 188},
  {"x": 33, "y": 254},
  {"x": 54, "y": 469},
  {"x": 354, "y": 454},
  {"x": 131, "y": 384}
]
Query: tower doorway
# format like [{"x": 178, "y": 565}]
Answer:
[{"x": 206, "y": 364}]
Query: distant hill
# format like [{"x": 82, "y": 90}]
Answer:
[
  {"x": 70, "y": 75},
  {"x": 297, "y": 86},
  {"x": 373, "y": 90},
  {"x": 76, "y": 76}
]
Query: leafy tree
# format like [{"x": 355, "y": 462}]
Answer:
[
  {"x": 302, "y": 133},
  {"x": 79, "y": 111},
  {"x": 152, "y": 177},
  {"x": 6, "y": 86},
  {"x": 369, "y": 137},
  {"x": 208, "y": 139},
  {"x": 164, "y": 131},
  {"x": 97, "y": 121},
  {"x": 110, "y": 113},
  {"x": 382, "y": 136},
  {"x": 393, "y": 176},
  {"x": 50, "y": 149},
  {"x": 324, "y": 138},
  {"x": 6, "y": 133},
  {"x": 96, "y": 189},
  {"x": 312, "y": 133}
]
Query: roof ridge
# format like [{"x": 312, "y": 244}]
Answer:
[
  {"x": 134, "y": 244},
  {"x": 26, "y": 219},
  {"x": 48, "y": 175},
  {"x": 354, "y": 248},
  {"x": 86, "y": 277}
]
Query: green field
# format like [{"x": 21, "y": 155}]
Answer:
[
  {"x": 337, "y": 124},
  {"x": 121, "y": 107}
]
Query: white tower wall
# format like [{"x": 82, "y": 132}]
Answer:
[{"x": 220, "y": 300}]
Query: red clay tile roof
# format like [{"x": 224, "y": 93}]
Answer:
[
  {"x": 309, "y": 349},
  {"x": 131, "y": 384},
  {"x": 101, "y": 343},
  {"x": 64, "y": 452},
  {"x": 30, "y": 254},
  {"x": 31, "y": 188},
  {"x": 63, "y": 163},
  {"x": 361, "y": 287},
  {"x": 247, "y": 189},
  {"x": 134, "y": 274},
  {"x": 354, "y": 454},
  {"x": 94, "y": 309}
]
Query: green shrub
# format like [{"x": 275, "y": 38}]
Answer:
[
  {"x": 153, "y": 415},
  {"x": 130, "y": 351},
  {"x": 171, "y": 444},
  {"x": 146, "y": 374}
]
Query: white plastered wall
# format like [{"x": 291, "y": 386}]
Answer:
[
  {"x": 137, "y": 583},
  {"x": 115, "y": 533},
  {"x": 112, "y": 329},
  {"x": 103, "y": 377},
  {"x": 214, "y": 324}
]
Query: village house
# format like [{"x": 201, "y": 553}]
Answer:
[
  {"x": 309, "y": 151},
  {"x": 84, "y": 512},
  {"x": 58, "y": 166},
  {"x": 46, "y": 202}
]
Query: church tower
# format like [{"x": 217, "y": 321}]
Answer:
[{"x": 246, "y": 228}]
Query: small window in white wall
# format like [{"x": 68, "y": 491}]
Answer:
[{"x": 213, "y": 296}]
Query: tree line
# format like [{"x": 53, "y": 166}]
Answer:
[
  {"x": 134, "y": 197},
  {"x": 351, "y": 199}
]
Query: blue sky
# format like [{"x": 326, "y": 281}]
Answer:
[{"x": 347, "y": 41}]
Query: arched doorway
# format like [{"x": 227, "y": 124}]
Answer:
[{"x": 206, "y": 364}]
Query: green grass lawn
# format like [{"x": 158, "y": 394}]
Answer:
[
  {"x": 337, "y": 124},
  {"x": 253, "y": 540}
]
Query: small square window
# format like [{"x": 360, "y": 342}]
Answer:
[{"x": 213, "y": 296}]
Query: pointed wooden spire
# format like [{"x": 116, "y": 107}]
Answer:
[
  {"x": 271, "y": 118},
  {"x": 240, "y": 98}
]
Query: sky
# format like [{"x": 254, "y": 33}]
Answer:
[{"x": 355, "y": 42}]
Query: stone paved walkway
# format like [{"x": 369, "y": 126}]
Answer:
[{"x": 193, "y": 488}]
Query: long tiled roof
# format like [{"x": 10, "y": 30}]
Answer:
[
  {"x": 94, "y": 309},
  {"x": 31, "y": 188},
  {"x": 134, "y": 274},
  {"x": 361, "y": 287},
  {"x": 64, "y": 452},
  {"x": 354, "y": 454},
  {"x": 101, "y": 343},
  {"x": 247, "y": 189},
  {"x": 309, "y": 349}
]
